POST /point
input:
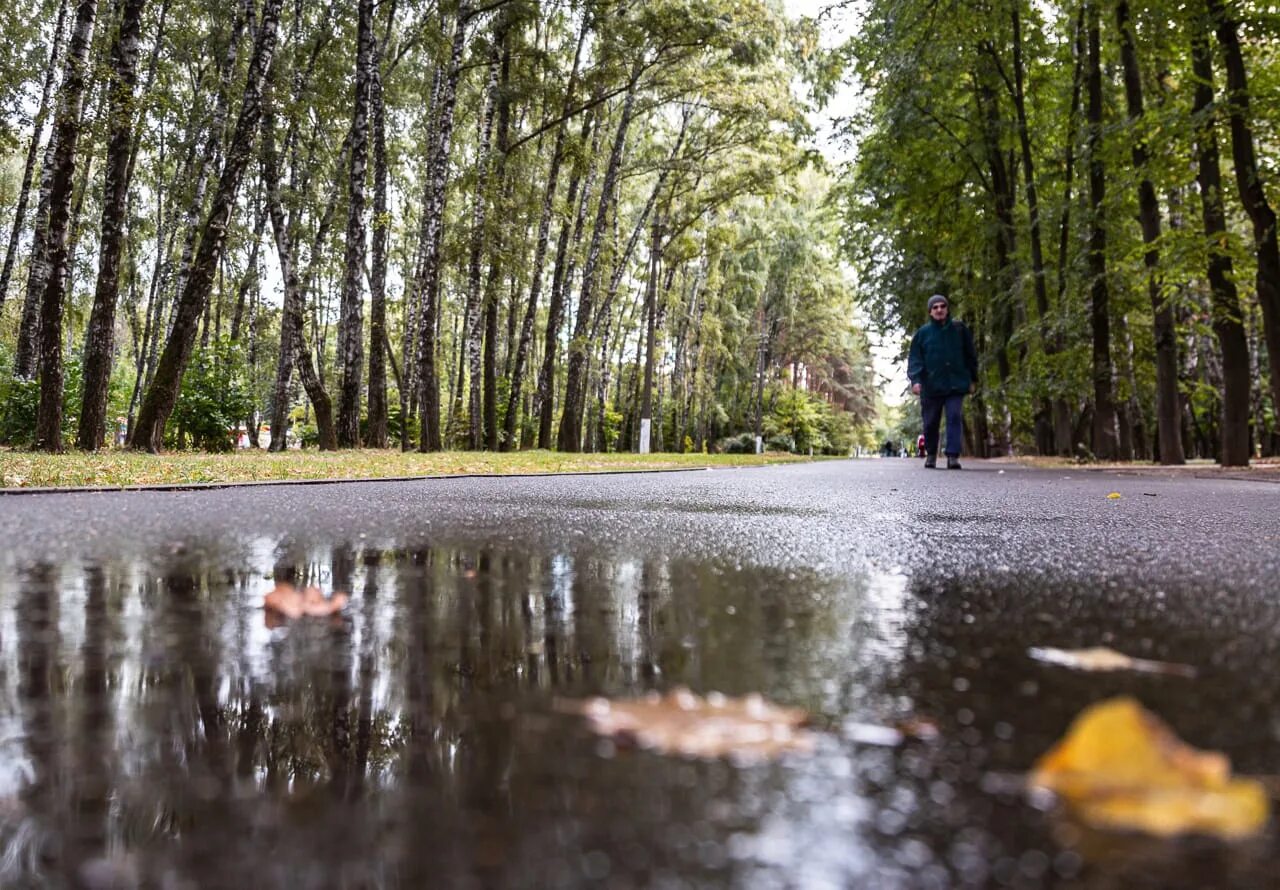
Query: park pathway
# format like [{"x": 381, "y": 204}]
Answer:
[{"x": 157, "y": 728}]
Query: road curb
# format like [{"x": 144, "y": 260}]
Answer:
[{"x": 213, "y": 486}]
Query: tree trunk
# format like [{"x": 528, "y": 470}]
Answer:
[
  {"x": 250, "y": 277},
  {"x": 66, "y": 133},
  {"x": 1252, "y": 194},
  {"x": 208, "y": 158},
  {"x": 473, "y": 312},
  {"x": 33, "y": 150},
  {"x": 1003, "y": 200},
  {"x": 1038, "y": 271},
  {"x": 152, "y": 310},
  {"x": 428, "y": 380},
  {"x": 163, "y": 394},
  {"x": 1063, "y": 428},
  {"x": 561, "y": 282},
  {"x": 293, "y": 345},
  {"x": 377, "y": 432},
  {"x": 1227, "y": 323},
  {"x": 28, "y": 351},
  {"x": 503, "y": 188},
  {"x": 516, "y": 376},
  {"x": 1167, "y": 405},
  {"x": 570, "y": 435},
  {"x": 102, "y": 319},
  {"x": 351, "y": 321},
  {"x": 1105, "y": 445},
  {"x": 650, "y": 334}
]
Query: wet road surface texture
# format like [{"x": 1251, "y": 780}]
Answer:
[{"x": 157, "y": 731}]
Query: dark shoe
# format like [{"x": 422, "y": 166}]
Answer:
[
  {"x": 953, "y": 463},
  {"x": 930, "y": 462}
]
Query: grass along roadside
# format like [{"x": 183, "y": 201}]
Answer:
[{"x": 25, "y": 469}]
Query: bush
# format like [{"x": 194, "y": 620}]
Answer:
[
  {"x": 20, "y": 401},
  {"x": 214, "y": 399},
  {"x": 797, "y": 422},
  {"x": 780, "y": 443},
  {"x": 743, "y": 443}
]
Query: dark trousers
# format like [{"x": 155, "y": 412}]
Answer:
[{"x": 932, "y": 410}]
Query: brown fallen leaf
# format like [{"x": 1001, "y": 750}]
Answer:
[
  {"x": 685, "y": 724},
  {"x": 920, "y": 728},
  {"x": 1100, "y": 658},
  {"x": 288, "y": 601},
  {"x": 1120, "y": 766}
]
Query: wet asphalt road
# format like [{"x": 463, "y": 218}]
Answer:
[
  {"x": 987, "y": 521},
  {"x": 870, "y": 592}
]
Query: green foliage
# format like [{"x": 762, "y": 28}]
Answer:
[
  {"x": 743, "y": 443},
  {"x": 18, "y": 400},
  {"x": 214, "y": 400},
  {"x": 612, "y": 429}
]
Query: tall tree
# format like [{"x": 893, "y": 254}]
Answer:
[
  {"x": 433, "y": 210},
  {"x": 1249, "y": 181},
  {"x": 473, "y": 314},
  {"x": 570, "y": 435},
  {"x": 379, "y": 341},
  {"x": 99, "y": 342},
  {"x": 1105, "y": 443},
  {"x": 1168, "y": 406},
  {"x": 1227, "y": 323},
  {"x": 66, "y": 132},
  {"x": 351, "y": 322},
  {"x": 293, "y": 344},
  {"x": 516, "y": 378},
  {"x": 33, "y": 150},
  {"x": 161, "y": 397}
]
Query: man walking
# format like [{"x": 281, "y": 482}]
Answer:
[{"x": 943, "y": 367}]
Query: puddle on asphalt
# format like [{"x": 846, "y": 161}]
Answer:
[{"x": 156, "y": 730}]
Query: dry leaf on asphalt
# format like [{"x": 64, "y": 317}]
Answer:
[
  {"x": 1100, "y": 658},
  {"x": 1120, "y": 766},
  {"x": 290, "y": 602},
  {"x": 685, "y": 724},
  {"x": 1114, "y": 496}
]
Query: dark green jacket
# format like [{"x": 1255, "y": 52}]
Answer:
[{"x": 943, "y": 360}]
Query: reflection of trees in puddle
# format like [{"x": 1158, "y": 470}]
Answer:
[{"x": 167, "y": 730}]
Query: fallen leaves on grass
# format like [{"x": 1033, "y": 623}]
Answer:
[
  {"x": 287, "y": 601},
  {"x": 687, "y": 725},
  {"x": 1102, "y": 659},
  {"x": 1120, "y": 766}
]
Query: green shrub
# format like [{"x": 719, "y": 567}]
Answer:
[
  {"x": 743, "y": 443},
  {"x": 214, "y": 399},
  {"x": 20, "y": 401}
]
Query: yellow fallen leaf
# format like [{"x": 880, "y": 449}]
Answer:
[
  {"x": 1100, "y": 658},
  {"x": 1120, "y": 766},
  {"x": 685, "y": 724},
  {"x": 1114, "y": 496}
]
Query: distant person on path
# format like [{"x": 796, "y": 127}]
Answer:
[{"x": 943, "y": 367}]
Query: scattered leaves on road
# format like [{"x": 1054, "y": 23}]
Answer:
[
  {"x": 287, "y": 601},
  {"x": 1121, "y": 767},
  {"x": 687, "y": 725},
  {"x": 1102, "y": 659}
]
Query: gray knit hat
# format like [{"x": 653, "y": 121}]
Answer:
[{"x": 937, "y": 298}]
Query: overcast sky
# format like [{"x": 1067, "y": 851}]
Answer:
[{"x": 891, "y": 375}]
